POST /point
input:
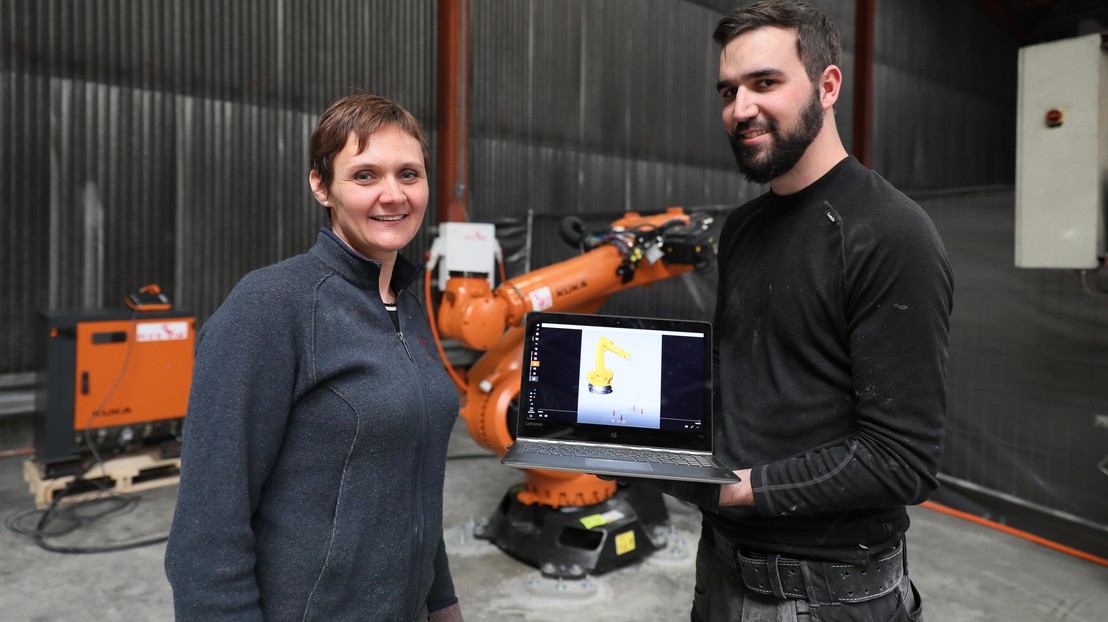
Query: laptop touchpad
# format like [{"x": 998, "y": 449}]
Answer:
[{"x": 624, "y": 466}]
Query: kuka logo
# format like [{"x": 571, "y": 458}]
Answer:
[
  {"x": 162, "y": 331},
  {"x": 112, "y": 412},
  {"x": 572, "y": 287}
]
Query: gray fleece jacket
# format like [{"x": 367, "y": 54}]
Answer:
[{"x": 314, "y": 451}]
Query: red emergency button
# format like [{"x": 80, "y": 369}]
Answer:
[{"x": 1055, "y": 117}]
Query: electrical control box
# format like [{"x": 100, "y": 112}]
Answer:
[
  {"x": 1062, "y": 154},
  {"x": 114, "y": 378},
  {"x": 467, "y": 249}
]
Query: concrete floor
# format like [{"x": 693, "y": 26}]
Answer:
[{"x": 966, "y": 572}]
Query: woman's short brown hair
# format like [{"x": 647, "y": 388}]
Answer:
[{"x": 361, "y": 114}]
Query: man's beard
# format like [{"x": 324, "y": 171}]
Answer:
[{"x": 786, "y": 149}]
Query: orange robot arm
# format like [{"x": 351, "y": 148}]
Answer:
[
  {"x": 477, "y": 317},
  {"x": 637, "y": 250}
]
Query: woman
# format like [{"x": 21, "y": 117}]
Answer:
[{"x": 316, "y": 434}]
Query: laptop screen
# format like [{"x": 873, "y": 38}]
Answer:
[{"x": 623, "y": 380}]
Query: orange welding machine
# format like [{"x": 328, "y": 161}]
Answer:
[{"x": 115, "y": 379}]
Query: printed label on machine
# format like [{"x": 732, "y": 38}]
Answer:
[
  {"x": 162, "y": 331},
  {"x": 541, "y": 299}
]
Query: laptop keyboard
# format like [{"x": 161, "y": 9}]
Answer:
[{"x": 614, "y": 453}]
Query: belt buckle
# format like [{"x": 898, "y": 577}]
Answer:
[{"x": 761, "y": 572}]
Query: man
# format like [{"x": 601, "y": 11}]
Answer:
[{"x": 832, "y": 318}]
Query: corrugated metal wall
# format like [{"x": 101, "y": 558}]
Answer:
[
  {"x": 582, "y": 106},
  {"x": 944, "y": 96},
  {"x": 1028, "y": 367},
  {"x": 167, "y": 141}
]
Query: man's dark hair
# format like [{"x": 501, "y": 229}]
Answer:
[{"x": 817, "y": 39}]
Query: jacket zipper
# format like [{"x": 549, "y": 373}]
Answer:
[
  {"x": 405, "y": 344},
  {"x": 417, "y": 480}
]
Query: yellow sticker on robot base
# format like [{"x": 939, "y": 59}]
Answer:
[
  {"x": 593, "y": 520},
  {"x": 625, "y": 542},
  {"x": 596, "y": 520}
]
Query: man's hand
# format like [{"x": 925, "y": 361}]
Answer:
[{"x": 737, "y": 494}]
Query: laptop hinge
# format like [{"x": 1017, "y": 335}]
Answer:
[{"x": 613, "y": 446}]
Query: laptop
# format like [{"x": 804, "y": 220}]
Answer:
[{"x": 618, "y": 396}]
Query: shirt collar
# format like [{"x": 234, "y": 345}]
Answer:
[{"x": 359, "y": 269}]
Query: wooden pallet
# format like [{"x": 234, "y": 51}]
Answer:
[{"x": 124, "y": 473}]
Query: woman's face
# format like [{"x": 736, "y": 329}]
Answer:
[{"x": 377, "y": 197}]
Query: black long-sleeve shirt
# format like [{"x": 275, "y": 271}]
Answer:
[{"x": 832, "y": 333}]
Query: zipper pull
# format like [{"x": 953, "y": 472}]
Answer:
[{"x": 405, "y": 344}]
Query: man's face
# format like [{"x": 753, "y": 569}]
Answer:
[{"x": 771, "y": 110}]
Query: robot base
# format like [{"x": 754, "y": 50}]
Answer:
[
  {"x": 571, "y": 542},
  {"x": 603, "y": 390}
]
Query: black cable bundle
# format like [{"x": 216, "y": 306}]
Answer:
[{"x": 57, "y": 520}]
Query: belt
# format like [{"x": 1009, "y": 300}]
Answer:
[{"x": 814, "y": 580}]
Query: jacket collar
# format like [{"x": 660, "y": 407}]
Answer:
[{"x": 357, "y": 268}]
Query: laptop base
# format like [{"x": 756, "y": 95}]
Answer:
[
  {"x": 582, "y": 458},
  {"x": 626, "y": 528}
]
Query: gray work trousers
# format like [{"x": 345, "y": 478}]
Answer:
[{"x": 720, "y": 596}]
